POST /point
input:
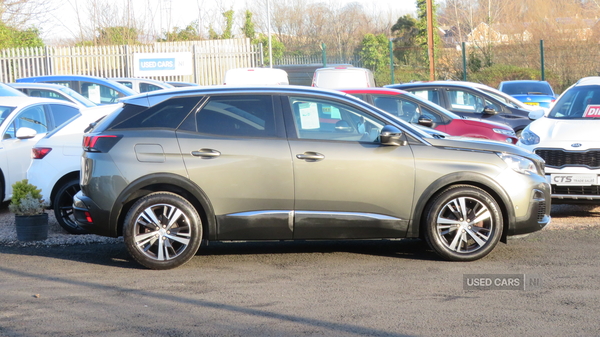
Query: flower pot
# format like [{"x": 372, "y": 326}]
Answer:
[{"x": 32, "y": 228}]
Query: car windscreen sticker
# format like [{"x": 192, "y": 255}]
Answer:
[
  {"x": 309, "y": 116},
  {"x": 592, "y": 110}
]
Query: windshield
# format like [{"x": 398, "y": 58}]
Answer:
[
  {"x": 5, "y": 112},
  {"x": 524, "y": 88},
  {"x": 81, "y": 99},
  {"x": 578, "y": 102}
]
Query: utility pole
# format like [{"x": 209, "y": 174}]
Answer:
[{"x": 430, "y": 40}]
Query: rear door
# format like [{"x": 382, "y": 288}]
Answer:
[
  {"x": 235, "y": 150},
  {"x": 346, "y": 184}
]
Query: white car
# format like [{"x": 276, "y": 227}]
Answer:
[
  {"x": 142, "y": 85},
  {"x": 568, "y": 140},
  {"x": 57, "y": 161},
  {"x": 23, "y": 121}
]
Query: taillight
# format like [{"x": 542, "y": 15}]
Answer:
[
  {"x": 99, "y": 143},
  {"x": 40, "y": 152}
]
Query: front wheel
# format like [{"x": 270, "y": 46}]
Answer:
[
  {"x": 463, "y": 223},
  {"x": 63, "y": 207},
  {"x": 162, "y": 231}
]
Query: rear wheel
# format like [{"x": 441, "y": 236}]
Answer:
[
  {"x": 63, "y": 207},
  {"x": 162, "y": 231},
  {"x": 463, "y": 223}
]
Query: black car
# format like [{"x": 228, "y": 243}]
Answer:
[{"x": 468, "y": 101}]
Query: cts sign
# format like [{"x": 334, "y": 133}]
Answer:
[
  {"x": 592, "y": 111},
  {"x": 162, "y": 64}
]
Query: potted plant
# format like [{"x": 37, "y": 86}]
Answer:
[{"x": 28, "y": 206}]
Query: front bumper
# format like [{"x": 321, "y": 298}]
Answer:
[{"x": 538, "y": 215}]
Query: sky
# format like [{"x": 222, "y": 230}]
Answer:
[{"x": 62, "y": 23}]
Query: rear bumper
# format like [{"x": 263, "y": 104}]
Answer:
[{"x": 91, "y": 217}]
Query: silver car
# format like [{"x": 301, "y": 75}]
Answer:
[{"x": 170, "y": 170}]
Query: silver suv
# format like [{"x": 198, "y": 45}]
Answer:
[{"x": 172, "y": 169}]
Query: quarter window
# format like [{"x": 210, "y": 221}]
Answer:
[{"x": 322, "y": 119}]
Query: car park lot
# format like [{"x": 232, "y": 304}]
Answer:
[{"x": 350, "y": 288}]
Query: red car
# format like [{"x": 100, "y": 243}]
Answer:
[{"x": 412, "y": 109}]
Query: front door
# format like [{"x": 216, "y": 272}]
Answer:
[{"x": 347, "y": 185}]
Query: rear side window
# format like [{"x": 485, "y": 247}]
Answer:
[
  {"x": 62, "y": 113},
  {"x": 238, "y": 116},
  {"x": 431, "y": 95},
  {"x": 166, "y": 115}
]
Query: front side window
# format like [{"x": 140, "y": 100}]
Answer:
[
  {"x": 465, "y": 101},
  {"x": 99, "y": 94},
  {"x": 324, "y": 119},
  {"x": 32, "y": 117},
  {"x": 578, "y": 102},
  {"x": 237, "y": 116}
]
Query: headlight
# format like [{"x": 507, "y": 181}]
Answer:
[
  {"x": 528, "y": 137},
  {"x": 518, "y": 163},
  {"x": 505, "y": 132}
]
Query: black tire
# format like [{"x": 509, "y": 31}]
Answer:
[
  {"x": 63, "y": 207},
  {"x": 450, "y": 229},
  {"x": 150, "y": 239}
]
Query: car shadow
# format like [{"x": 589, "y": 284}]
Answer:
[
  {"x": 575, "y": 210},
  {"x": 116, "y": 255}
]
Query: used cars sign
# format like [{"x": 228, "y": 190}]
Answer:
[{"x": 162, "y": 64}]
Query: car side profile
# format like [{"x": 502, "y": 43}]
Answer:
[
  {"x": 172, "y": 169},
  {"x": 567, "y": 139},
  {"x": 23, "y": 121},
  {"x": 412, "y": 109},
  {"x": 468, "y": 101},
  {"x": 97, "y": 89}
]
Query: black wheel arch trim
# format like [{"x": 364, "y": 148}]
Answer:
[
  {"x": 178, "y": 184},
  {"x": 463, "y": 178}
]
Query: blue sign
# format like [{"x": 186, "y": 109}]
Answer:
[{"x": 162, "y": 64}]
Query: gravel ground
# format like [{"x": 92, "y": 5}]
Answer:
[
  {"x": 57, "y": 236},
  {"x": 566, "y": 217}
]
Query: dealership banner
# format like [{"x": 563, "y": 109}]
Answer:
[{"x": 162, "y": 64}]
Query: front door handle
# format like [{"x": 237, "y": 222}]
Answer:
[
  {"x": 206, "y": 153},
  {"x": 310, "y": 156}
]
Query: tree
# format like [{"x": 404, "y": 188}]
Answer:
[
  {"x": 13, "y": 38},
  {"x": 118, "y": 35},
  {"x": 189, "y": 33},
  {"x": 248, "y": 28},
  {"x": 277, "y": 47},
  {"x": 374, "y": 52},
  {"x": 405, "y": 32}
]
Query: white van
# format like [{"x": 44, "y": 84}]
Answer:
[
  {"x": 343, "y": 77},
  {"x": 256, "y": 76}
]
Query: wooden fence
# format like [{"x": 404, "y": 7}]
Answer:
[{"x": 211, "y": 59}]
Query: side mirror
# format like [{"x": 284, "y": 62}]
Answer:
[
  {"x": 425, "y": 121},
  {"x": 391, "y": 136},
  {"x": 26, "y": 133},
  {"x": 343, "y": 126},
  {"x": 537, "y": 114},
  {"x": 489, "y": 110}
]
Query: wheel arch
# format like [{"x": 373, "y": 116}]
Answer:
[
  {"x": 164, "y": 182},
  {"x": 462, "y": 178}
]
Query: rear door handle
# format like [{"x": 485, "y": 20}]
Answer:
[
  {"x": 206, "y": 153},
  {"x": 310, "y": 156}
]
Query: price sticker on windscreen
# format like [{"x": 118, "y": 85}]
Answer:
[{"x": 592, "y": 111}]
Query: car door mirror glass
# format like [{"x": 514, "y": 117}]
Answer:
[{"x": 425, "y": 121}]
